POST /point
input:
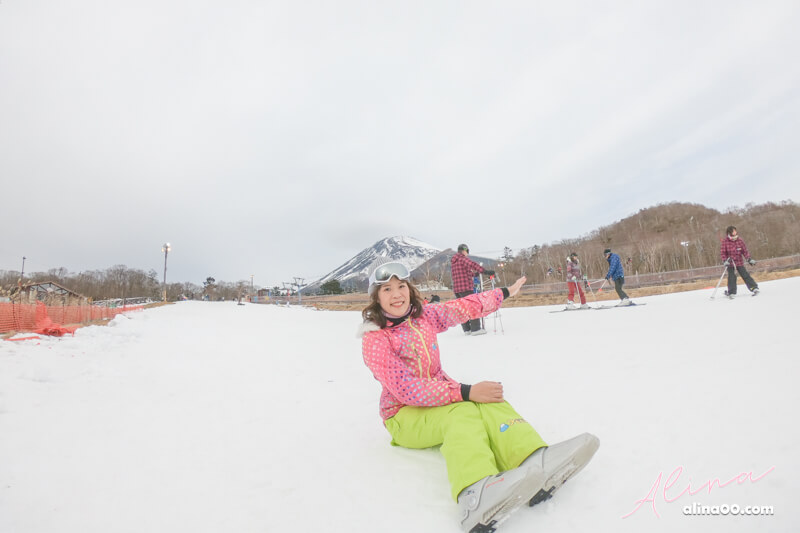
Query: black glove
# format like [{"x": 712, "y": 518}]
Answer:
[
  {"x": 751, "y": 261},
  {"x": 489, "y": 272}
]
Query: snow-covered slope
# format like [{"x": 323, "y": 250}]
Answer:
[
  {"x": 407, "y": 250},
  {"x": 211, "y": 417}
]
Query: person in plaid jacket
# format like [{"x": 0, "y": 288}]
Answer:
[
  {"x": 733, "y": 252},
  {"x": 462, "y": 271}
]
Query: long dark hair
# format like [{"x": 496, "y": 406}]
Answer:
[{"x": 374, "y": 313}]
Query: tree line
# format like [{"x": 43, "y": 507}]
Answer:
[
  {"x": 667, "y": 237},
  {"x": 120, "y": 281}
]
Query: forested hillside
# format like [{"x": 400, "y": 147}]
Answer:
[{"x": 667, "y": 237}]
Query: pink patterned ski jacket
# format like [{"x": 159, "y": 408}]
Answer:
[{"x": 405, "y": 358}]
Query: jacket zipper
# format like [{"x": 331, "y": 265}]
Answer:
[{"x": 422, "y": 340}]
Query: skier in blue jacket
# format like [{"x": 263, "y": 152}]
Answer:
[{"x": 616, "y": 274}]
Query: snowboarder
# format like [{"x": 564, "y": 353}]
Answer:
[
  {"x": 733, "y": 252},
  {"x": 462, "y": 270},
  {"x": 496, "y": 461},
  {"x": 617, "y": 275},
  {"x": 573, "y": 275}
]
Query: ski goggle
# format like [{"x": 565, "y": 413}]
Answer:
[{"x": 387, "y": 271}]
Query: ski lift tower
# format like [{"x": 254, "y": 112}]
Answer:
[{"x": 298, "y": 284}]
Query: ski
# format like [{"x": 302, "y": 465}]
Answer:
[
  {"x": 617, "y": 305},
  {"x": 573, "y": 309}
]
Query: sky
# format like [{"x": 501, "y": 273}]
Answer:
[
  {"x": 212, "y": 417},
  {"x": 279, "y": 139}
]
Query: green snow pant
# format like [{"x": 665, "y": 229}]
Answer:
[{"x": 478, "y": 439}]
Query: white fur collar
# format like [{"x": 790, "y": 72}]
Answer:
[{"x": 366, "y": 327}]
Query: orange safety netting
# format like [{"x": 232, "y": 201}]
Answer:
[{"x": 48, "y": 320}]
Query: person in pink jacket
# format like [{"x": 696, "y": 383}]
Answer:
[
  {"x": 496, "y": 461},
  {"x": 574, "y": 278}
]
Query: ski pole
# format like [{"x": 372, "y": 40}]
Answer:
[
  {"x": 603, "y": 285},
  {"x": 577, "y": 288},
  {"x": 477, "y": 290},
  {"x": 594, "y": 298},
  {"x": 497, "y": 314},
  {"x": 724, "y": 269},
  {"x": 491, "y": 281}
]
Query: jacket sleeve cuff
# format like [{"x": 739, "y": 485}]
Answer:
[
  {"x": 506, "y": 294},
  {"x": 465, "y": 392}
]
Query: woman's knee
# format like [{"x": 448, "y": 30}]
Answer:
[{"x": 465, "y": 410}]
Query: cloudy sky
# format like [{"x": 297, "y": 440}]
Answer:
[{"x": 278, "y": 139}]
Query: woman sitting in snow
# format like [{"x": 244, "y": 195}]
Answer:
[{"x": 496, "y": 461}]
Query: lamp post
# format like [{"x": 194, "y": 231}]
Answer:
[
  {"x": 165, "y": 248},
  {"x": 685, "y": 244},
  {"x": 21, "y": 275}
]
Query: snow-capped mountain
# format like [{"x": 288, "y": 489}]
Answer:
[{"x": 407, "y": 250}]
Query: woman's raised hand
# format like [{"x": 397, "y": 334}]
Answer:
[{"x": 514, "y": 289}]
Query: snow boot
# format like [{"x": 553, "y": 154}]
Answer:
[
  {"x": 560, "y": 462},
  {"x": 487, "y": 503},
  {"x": 755, "y": 291},
  {"x": 570, "y": 304},
  {"x": 585, "y": 306},
  {"x": 624, "y": 302}
]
